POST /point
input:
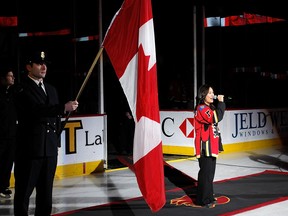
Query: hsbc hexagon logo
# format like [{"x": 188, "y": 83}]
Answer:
[{"x": 187, "y": 127}]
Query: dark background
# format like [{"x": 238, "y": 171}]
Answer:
[{"x": 257, "y": 48}]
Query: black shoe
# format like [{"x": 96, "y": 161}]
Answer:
[
  {"x": 6, "y": 193},
  {"x": 210, "y": 205}
]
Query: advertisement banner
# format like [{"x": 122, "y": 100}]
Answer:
[
  {"x": 82, "y": 140},
  {"x": 237, "y": 126}
]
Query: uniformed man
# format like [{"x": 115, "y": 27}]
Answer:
[
  {"x": 8, "y": 127},
  {"x": 39, "y": 124}
]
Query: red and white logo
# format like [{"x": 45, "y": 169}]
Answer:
[{"x": 187, "y": 127}]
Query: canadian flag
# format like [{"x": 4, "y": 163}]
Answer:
[{"x": 130, "y": 45}]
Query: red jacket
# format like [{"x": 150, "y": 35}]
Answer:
[{"x": 208, "y": 137}]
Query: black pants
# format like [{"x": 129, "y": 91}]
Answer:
[
  {"x": 205, "y": 191},
  {"x": 34, "y": 173},
  {"x": 6, "y": 162}
]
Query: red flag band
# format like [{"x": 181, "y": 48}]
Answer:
[{"x": 130, "y": 45}]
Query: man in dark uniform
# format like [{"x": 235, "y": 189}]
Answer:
[
  {"x": 38, "y": 138},
  {"x": 8, "y": 126}
]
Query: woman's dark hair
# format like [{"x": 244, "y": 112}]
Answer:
[{"x": 202, "y": 92}]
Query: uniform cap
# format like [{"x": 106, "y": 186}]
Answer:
[{"x": 38, "y": 57}]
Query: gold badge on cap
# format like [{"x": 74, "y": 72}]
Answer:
[{"x": 42, "y": 55}]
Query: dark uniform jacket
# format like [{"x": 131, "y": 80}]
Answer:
[
  {"x": 39, "y": 120},
  {"x": 8, "y": 116}
]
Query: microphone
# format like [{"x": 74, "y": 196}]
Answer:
[{"x": 227, "y": 98}]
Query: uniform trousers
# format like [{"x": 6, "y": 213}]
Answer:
[
  {"x": 6, "y": 162},
  {"x": 33, "y": 174}
]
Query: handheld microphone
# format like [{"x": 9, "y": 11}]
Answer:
[{"x": 216, "y": 97}]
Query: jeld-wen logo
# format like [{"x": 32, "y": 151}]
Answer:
[{"x": 254, "y": 123}]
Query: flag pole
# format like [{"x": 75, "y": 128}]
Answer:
[
  {"x": 84, "y": 84},
  {"x": 89, "y": 73}
]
